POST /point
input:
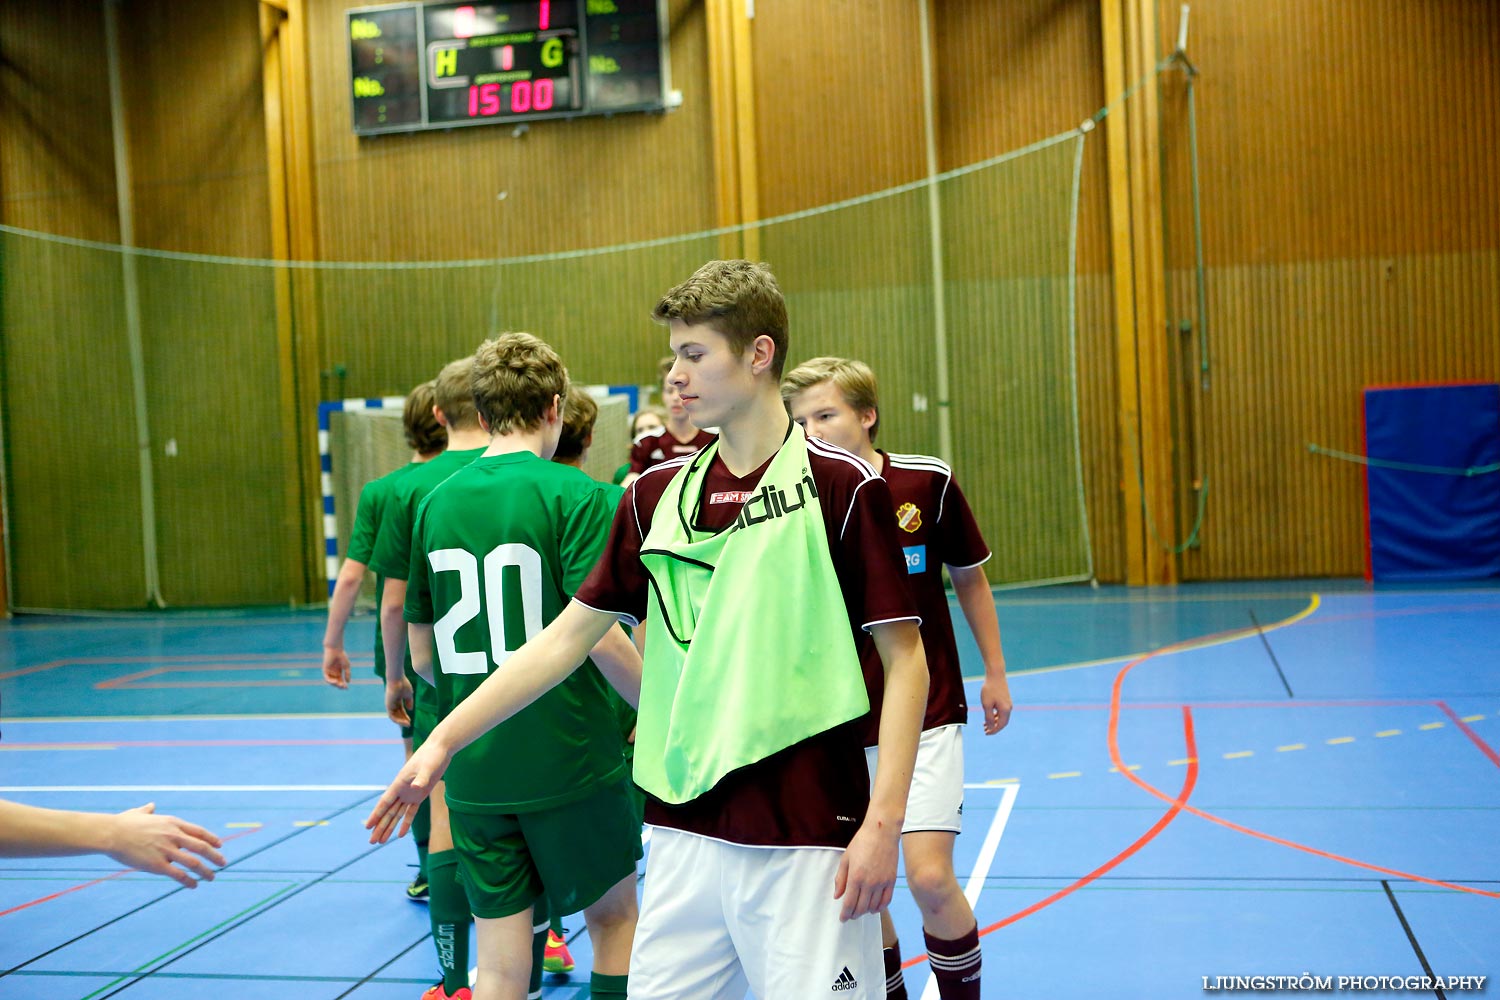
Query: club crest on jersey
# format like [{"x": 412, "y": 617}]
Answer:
[{"x": 908, "y": 517}]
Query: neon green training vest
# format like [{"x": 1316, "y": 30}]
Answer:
[{"x": 748, "y": 647}]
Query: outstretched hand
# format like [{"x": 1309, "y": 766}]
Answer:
[
  {"x": 162, "y": 845},
  {"x": 393, "y": 814}
]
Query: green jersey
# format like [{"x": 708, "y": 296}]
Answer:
[
  {"x": 393, "y": 542},
  {"x": 368, "y": 516},
  {"x": 497, "y": 553}
]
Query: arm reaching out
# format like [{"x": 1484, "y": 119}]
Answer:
[
  {"x": 978, "y": 604},
  {"x": 137, "y": 838},
  {"x": 531, "y": 671},
  {"x": 867, "y": 873}
]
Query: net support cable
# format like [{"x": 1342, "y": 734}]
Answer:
[{"x": 132, "y": 301}]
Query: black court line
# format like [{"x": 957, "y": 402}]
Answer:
[
  {"x": 260, "y": 911},
  {"x": 130, "y": 913},
  {"x": 1426, "y": 967},
  {"x": 394, "y": 958},
  {"x": 1270, "y": 652}
]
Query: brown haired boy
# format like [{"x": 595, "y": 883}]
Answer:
[{"x": 771, "y": 856}]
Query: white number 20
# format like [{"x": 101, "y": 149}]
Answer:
[{"x": 466, "y": 608}]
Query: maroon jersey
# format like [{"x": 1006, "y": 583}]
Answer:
[
  {"x": 813, "y": 793},
  {"x": 937, "y": 529},
  {"x": 654, "y": 447}
]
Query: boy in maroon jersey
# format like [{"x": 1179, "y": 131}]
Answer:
[
  {"x": 835, "y": 400},
  {"x": 761, "y": 558},
  {"x": 678, "y": 437}
]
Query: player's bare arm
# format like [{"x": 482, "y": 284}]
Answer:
[
  {"x": 867, "y": 874},
  {"x": 532, "y": 671},
  {"x": 398, "y": 692},
  {"x": 137, "y": 838},
  {"x": 619, "y": 661},
  {"x": 978, "y": 603},
  {"x": 340, "y": 606}
]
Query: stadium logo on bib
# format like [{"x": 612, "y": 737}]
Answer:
[{"x": 908, "y": 517}]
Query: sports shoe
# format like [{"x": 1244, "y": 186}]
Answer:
[
  {"x": 437, "y": 993},
  {"x": 417, "y": 892},
  {"x": 555, "y": 957}
]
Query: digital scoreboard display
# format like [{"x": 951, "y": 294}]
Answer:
[{"x": 417, "y": 66}]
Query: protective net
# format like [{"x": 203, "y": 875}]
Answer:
[{"x": 191, "y": 405}]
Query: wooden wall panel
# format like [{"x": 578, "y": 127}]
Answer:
[
  {"x": 838, "y": 100},
  {"x": 1009, "y": 75},
  {"x": 56, "y": 161},
  {"x": 566, "y": 184},
  {"x": 1351, "y": 220},
  {"x": 60, "y": 318}
]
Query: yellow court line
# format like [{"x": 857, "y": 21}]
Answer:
[
  {"x": 1186, "y": 646},
  {"x": 1388, "y": 732},
  {"x": 1182, "y": 762},
  {"x": 1238, "y": 754},
  {"x": 1431, "y": 725},
  {"x": 310, "y": 822},
  {"x": 1066, "y": 774},
  {"x": 1473, "y": 718},
  {"x": 244, "y": 826},
  {"x": 1128, "y": 767},
  {"x": 1291, "y": 746}
]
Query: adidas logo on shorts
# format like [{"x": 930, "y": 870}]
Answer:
[{"x": 845, "y": 981}]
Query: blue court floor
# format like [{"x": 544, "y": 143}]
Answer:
[{"x": 1251, "y": 780}]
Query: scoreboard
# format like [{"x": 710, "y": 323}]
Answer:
[{"x": 416, "y": 66}]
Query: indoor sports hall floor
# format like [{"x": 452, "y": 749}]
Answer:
[{"x": 1254, "y": 779}]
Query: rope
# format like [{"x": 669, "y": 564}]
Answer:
[{"x": 1384, "y": 463}]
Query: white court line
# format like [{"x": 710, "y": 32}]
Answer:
[
  {"x": 986, "y": 858},
  {"x": 192, "y": 788}
]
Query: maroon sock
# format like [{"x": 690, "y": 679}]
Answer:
[
  {"x": 895, "y": 982},
  {"x": 956, "y": 965}
]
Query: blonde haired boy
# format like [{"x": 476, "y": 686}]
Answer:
[{"x": 835, "y": 400}]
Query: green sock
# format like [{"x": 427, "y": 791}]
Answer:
[
  {"x": 448, "y": 911},
  {"x": 421, "y": 829},
  {"x": 557, "y": 927},
  {"x": 539, "y": 924},
  {"x": 607, "y": 986}
]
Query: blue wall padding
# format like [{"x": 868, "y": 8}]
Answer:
[{"x": 1427, "y": 525}]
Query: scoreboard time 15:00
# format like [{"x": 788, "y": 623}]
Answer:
[{"x": 421, "y": 66}]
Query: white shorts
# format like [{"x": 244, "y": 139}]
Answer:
[
  {"x": 718, "y": 919},
  {"x": 936, "y": 801}
]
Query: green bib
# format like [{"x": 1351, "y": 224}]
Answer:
[{"x": 748, "y": 648}]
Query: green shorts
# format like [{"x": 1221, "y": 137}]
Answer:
[
  {"x": 574, "y": 853},
  {"x": 424, "y": 713}
]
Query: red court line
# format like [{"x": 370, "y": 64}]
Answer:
[
  {"x": 1118, "y": 761},
  {"x": 106, "y": 878},
  {"x": 95, "y": 661},
  {"x": 1178, "y": 804},
  {"x": 1484, "y": 747}
]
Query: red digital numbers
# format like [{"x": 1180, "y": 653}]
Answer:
[
  {"x": 486, "y": 100},
  {"x": 464, "y": 22}
]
